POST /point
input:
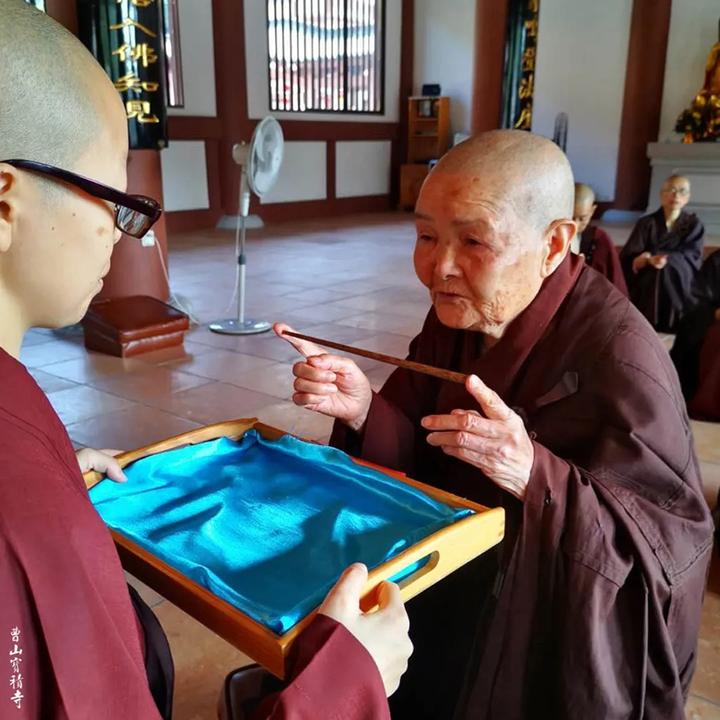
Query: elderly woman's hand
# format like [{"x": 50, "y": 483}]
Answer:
[{"x": 498, "y": 444}]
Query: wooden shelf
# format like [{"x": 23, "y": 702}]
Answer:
[{"x": 428, "y": 139}]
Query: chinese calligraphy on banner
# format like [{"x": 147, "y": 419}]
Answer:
[
  {"x": 126, "y": 37},
  {"x": 16, "y": 678},
  {"x": 520, "y": 56}
]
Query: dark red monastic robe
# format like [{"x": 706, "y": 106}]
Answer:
[
  {"x": 591, "y": 605},
  {"x": 75, "y": 645},
  {"x": 662, "y": 296},
  {"x": 696, "y": 351},
  {"x": 601, "y": 255}
]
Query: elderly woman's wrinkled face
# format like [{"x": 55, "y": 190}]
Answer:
[
  {"x": 481, "y": 262},
  {"x": 675, "y": 194}
]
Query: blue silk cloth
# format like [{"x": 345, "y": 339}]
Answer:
[{"x": 267, "y": 525}]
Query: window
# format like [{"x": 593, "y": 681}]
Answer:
[{"x": 326, "y": 55}]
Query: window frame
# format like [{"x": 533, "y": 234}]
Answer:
[{"x": 344, "y": 74}]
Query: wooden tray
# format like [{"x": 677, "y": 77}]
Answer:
[{"x": 448, "y": 549}]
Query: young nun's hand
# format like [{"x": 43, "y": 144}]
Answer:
[
  {"x": 102, "y": 461},
  {"x": 383, "y": 633},
  {"x": 497, "y": 444}
]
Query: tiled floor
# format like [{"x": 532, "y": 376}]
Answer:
[{"x": 351, "y": 280}]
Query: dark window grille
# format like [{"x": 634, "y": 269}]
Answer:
[{"x": 326, "y": 55}]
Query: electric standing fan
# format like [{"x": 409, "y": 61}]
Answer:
[{"x": 259, "y": 167}]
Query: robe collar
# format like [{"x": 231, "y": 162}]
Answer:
[{"x": 500, "y": 365}]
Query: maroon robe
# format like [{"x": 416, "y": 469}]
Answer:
[
  {"x": 662, "y": 295},
  {"x": 696, "y": 351},
  {"x": 594, "y": 609},
  {"x": 82, "y": 647},
  {"x": 601, "y": 255}
]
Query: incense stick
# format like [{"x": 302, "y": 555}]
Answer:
[{"x": 440, "y": 373}]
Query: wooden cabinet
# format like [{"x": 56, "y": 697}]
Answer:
[
  {"x": 428, "y": 139},
  {"x": 412, "y": 176},
  {"x": 428, "y": 128}
]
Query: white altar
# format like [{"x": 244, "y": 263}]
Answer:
[{"x": 700, "y": 162}]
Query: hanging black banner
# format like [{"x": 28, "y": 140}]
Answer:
[
  {"x": 126, "y": 37},
  {"x": 520, "y": 57}
]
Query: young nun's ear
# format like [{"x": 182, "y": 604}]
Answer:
[{"x": 7, "y": 207}]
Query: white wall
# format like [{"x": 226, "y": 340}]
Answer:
[
  {"x": 580, "y": 70},
  {"x": 184, "y": 176},
  {"x": 444, "y": 53},
  {"x": 198, "y": 60},
  {"x": 693, "y": 31},
  {"x": 362, "y": 167},
  {"x": 303, "y": 175},
  {"x": 256, "y": 52}
]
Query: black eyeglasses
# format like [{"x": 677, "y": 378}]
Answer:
[{"x": 134, "y": 214}]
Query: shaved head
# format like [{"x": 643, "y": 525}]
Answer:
[
  {"x": 675, "y": 179},
  {"x": 584, "y": 210},
  {"x": 531, "y": 172},
  {"x": 49, "y": 109},
  {"x": 584, "y": 194},
  {"x": 58, "y": 107},
  {"x": 494, "y": 220}
]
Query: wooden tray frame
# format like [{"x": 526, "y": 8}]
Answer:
[{"x": 448, "y": 549}]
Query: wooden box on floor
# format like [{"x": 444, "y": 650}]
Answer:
[
  {"x": 447, "y": 550},
  {"x": 130, "y": 326}
]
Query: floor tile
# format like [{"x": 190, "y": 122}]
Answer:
[
  {"x": 82, "y": 403},
  {"x": 706, "y": 682},
  {"x": 202, "y": 661},
  {"x": 265, "y": 345},
  {"x": 276, "y": 380},
  {"x": 129, "y": 429},
  {"x": 387, "y": 343},
  {"x": 224, "y": 365},
  {"x": 214, "y": 402},
  {"x": 297, "y": 421},
  {"x": 710, "y": 474},
  {"x": 384, "y": 322},
  {"x": 148, "y": 382},
  {"x": 50, "y": 383},
  {"x": 322, "y": 313},
  {"x": 33, "y": 337},
  {"x": 51, "y": 352},
  {"x": 152, "y": 598},
  {"x": 707, "y": 440},
  {"x": 319, "y": 295},
  {"x": 700, "y": 709},
  {"x": 90, "y": 367}
]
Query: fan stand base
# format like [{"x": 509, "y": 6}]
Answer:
[{"x": 234, "y": 326}]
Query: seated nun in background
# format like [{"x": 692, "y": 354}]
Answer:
[
  {"x": 593, "y": 243},
  {"x": 572, "y": 419},
  {"x": 78, "y": 642},
  {"x": 696, "y": 352},
  {"x": 662, "y": 257}
]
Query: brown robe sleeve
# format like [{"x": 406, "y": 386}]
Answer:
[
  {"x": 613, "y": 550},
  {"x": 331, "y": 676},
  {"x": 389, "y": 436}
]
